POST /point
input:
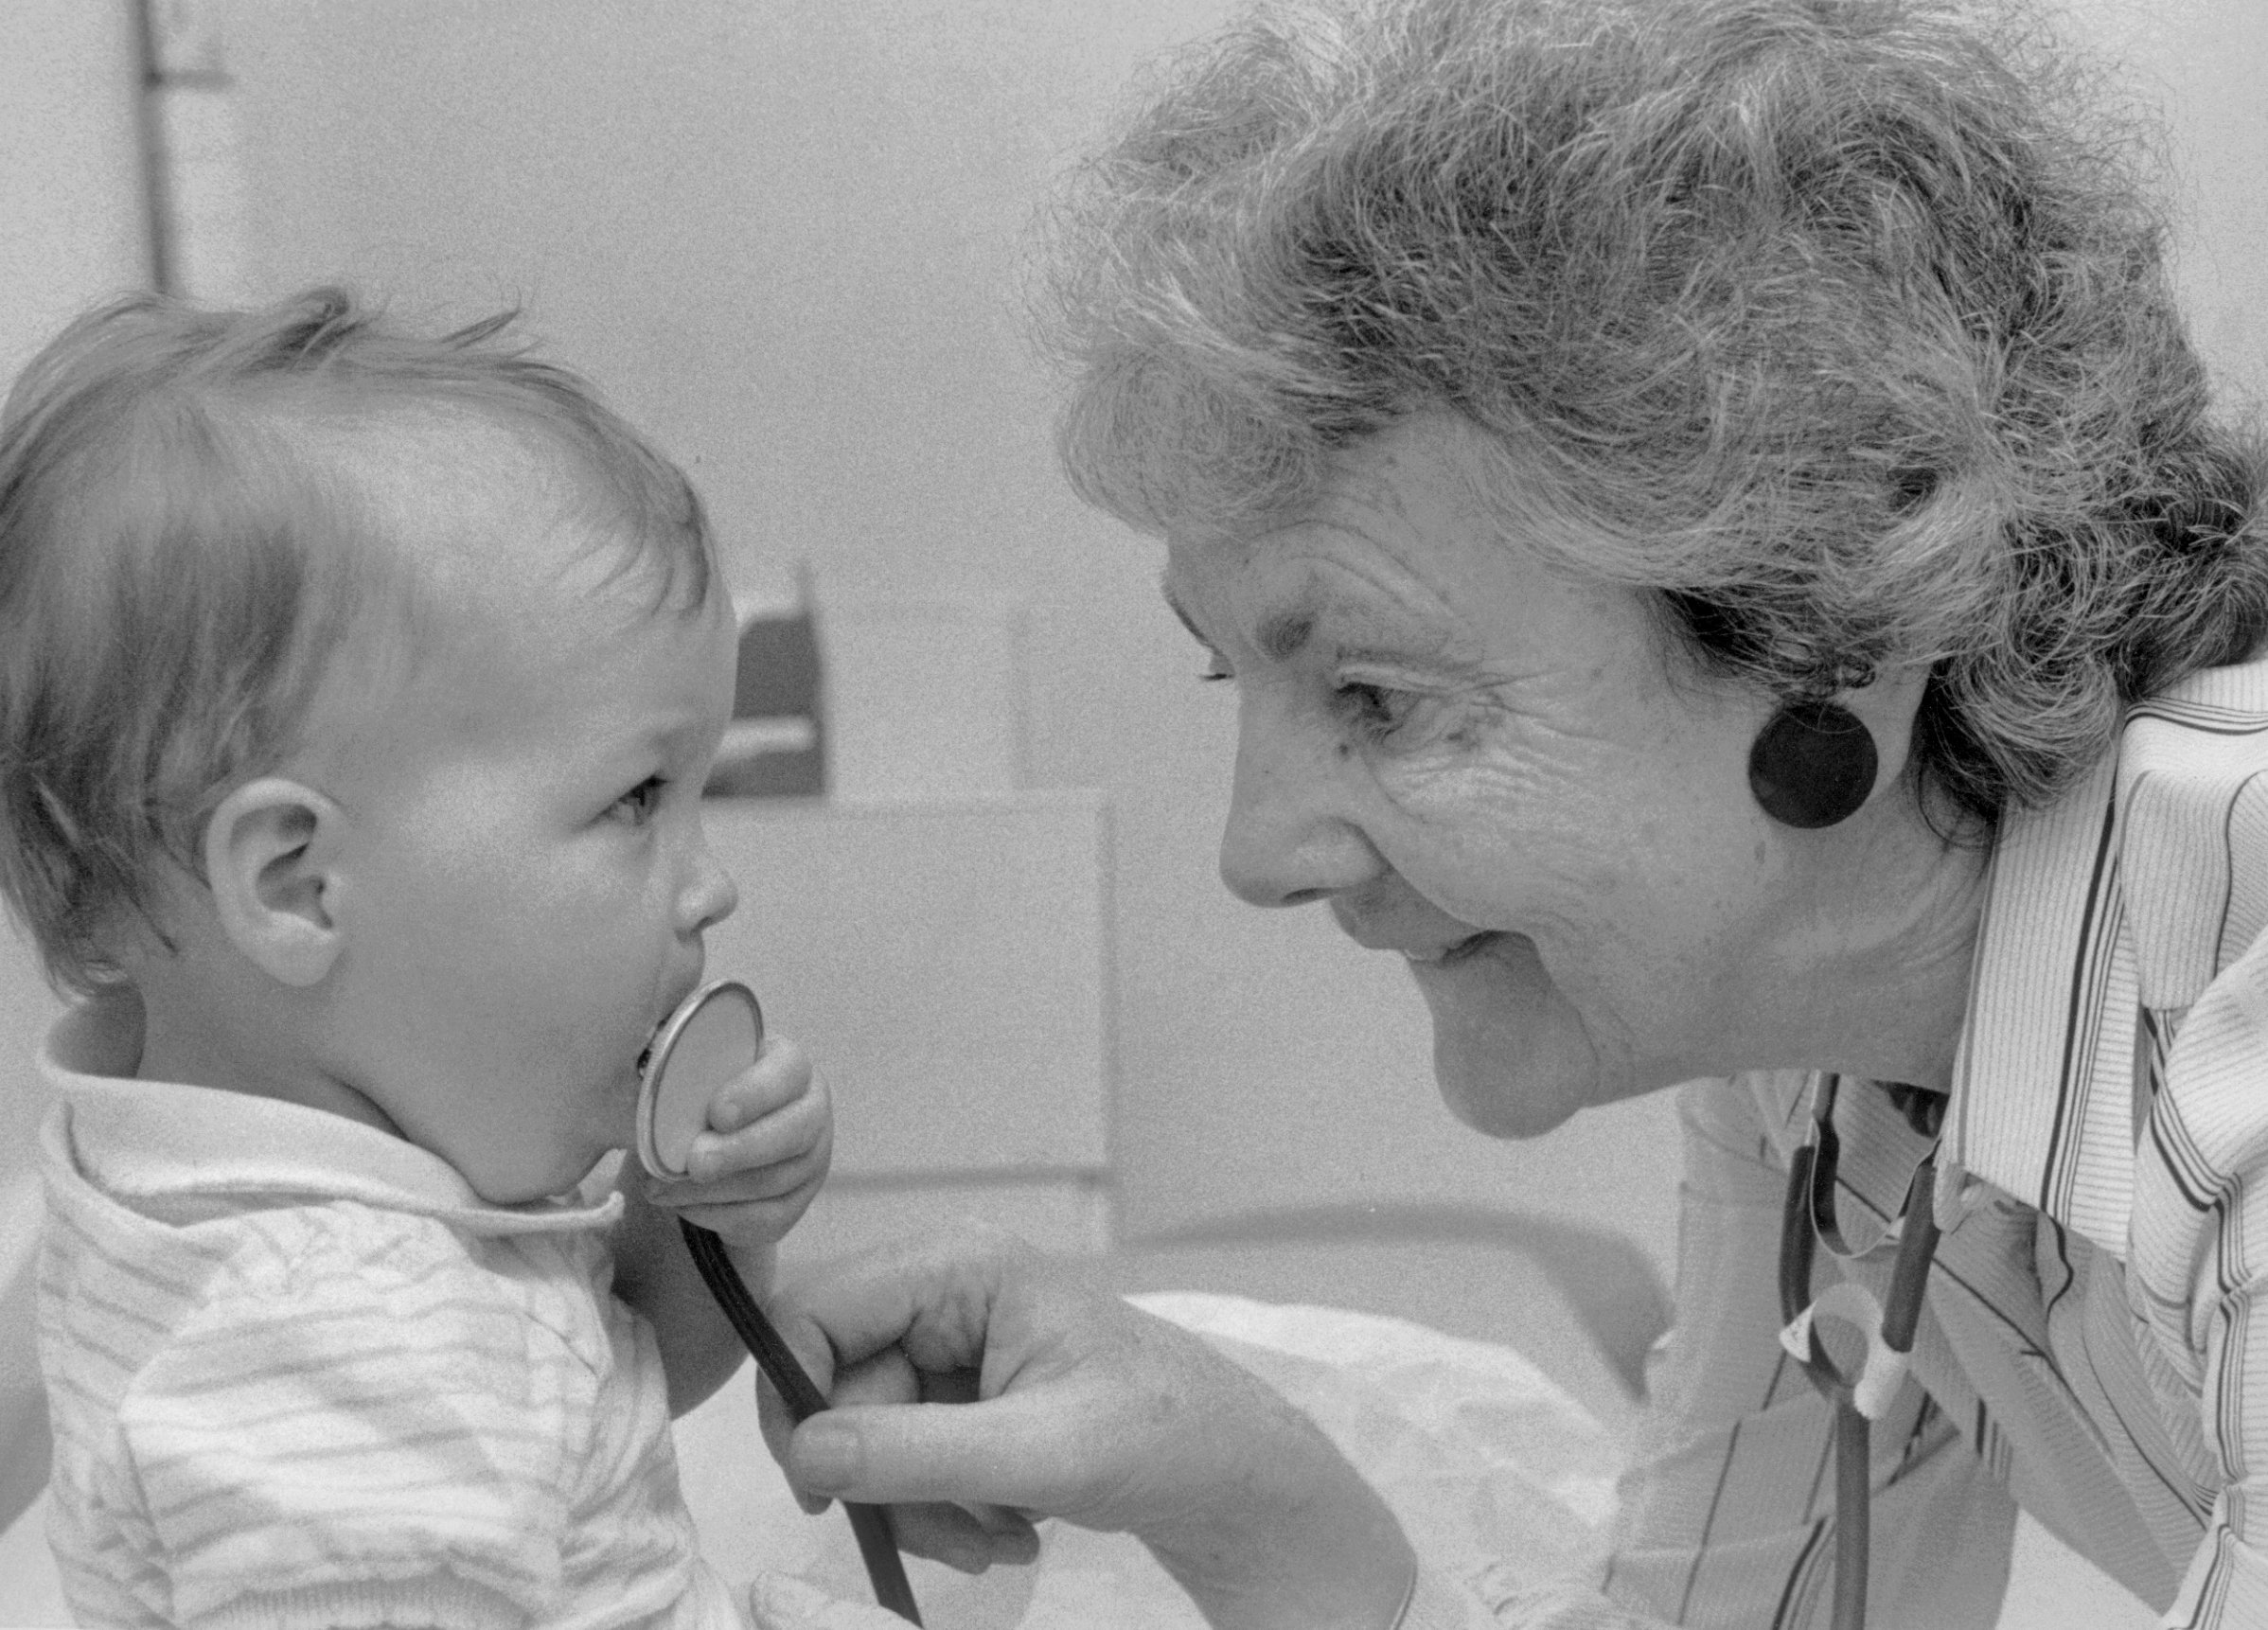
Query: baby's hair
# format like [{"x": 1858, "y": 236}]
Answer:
[{"x": 180, "y": 560}]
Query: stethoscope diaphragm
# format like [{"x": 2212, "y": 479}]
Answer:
[{"x": 713, "y": 1036}]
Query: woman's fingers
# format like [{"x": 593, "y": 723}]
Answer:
[
  {"x": 1076, "y": 1443},
  {"x": 1082, "y": 1398},
  {"x": 1086, "y": 1410},
  {"x": 884, "y": 1378},
  {"x": 970, "y": 1540},
  {"x": 933, "y": 1300}
]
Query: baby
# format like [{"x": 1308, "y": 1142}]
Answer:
[{"x": 356, "y": 694}]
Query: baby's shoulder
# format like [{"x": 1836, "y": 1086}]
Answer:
[{"x": 345, "y": 1262}]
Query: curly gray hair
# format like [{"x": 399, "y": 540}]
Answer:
[{"x": 1841, "y": 327}]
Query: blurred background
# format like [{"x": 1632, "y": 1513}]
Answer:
[{"x": 788, "y": 239}]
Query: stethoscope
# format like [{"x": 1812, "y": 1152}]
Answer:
[
  {"x": 715, "y": 1034},
  {"x": 1807, "y": 1218},
  {"x": 718, "y": 1031}
]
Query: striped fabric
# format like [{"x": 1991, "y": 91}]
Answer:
[
  {"x": 301, "y": 1375},
  {"x": 2095, "y": 1341}
]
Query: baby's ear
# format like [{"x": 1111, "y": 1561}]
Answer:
[{"x": 267, "y": 861}]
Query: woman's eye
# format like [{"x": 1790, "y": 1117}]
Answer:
[
  {"x": 1376, "y": 709},
  {"x": 1215, "y": 676},
  {"x": 638, "y": 804}
]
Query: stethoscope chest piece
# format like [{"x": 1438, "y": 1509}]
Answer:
[{"x": 713, "y": 1036}]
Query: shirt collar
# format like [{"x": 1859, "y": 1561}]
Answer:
[
  {"x": 2106, "y": 917},
  {"x": 158, "y": 1141}
]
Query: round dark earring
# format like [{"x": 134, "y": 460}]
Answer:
[{"x": 1813, "y": 765}]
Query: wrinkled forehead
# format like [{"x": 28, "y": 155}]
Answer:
[
  {"x": 1418, "y": 540},
  {"x": 1423, "y": 492}
]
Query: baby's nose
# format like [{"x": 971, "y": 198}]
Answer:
[{"x": 710, "y": 897}]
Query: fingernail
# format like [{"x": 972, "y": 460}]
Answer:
[{"x": 827, "y": 1455}]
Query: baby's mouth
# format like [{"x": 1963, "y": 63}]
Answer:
[{"x": 653, "y": 1038}]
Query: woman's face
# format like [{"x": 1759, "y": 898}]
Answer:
[{"x": 1488, "y": 768}]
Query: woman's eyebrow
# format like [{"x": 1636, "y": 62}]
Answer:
[{"x": 1281, "y": 635}]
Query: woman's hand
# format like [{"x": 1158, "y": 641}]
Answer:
[{"x": 974, "y": 1371}]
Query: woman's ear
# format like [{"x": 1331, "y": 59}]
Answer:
[
  {"x": 266, "y": 854},
  {"x": 1887, "y": 708}
]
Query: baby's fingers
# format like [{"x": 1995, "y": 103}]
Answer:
[
  {"x": 749, "y": 1129},
  {"x": 786, "y": 1150},
  {"x": 781, "y": 1075}
]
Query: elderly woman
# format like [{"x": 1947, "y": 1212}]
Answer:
[{"x": 1728, "y": 573}]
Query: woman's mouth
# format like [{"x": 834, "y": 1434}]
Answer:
[{"x": 1460, "y": 950}]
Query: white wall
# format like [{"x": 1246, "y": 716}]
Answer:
[
  {"x": 2200, "y": 65},
  {"x": 69, "y": 167},
  {"x": 70, "y": 182},
  {"x": 70, "y": 196}
]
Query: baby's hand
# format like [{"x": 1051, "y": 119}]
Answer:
[{"x": 753, "y": 1172}]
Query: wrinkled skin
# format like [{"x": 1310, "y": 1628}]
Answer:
[{"x": 1508, "y": 776}]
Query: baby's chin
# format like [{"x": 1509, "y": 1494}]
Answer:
[
  {"x": 1510, "y": 1054},
  {"x": 582, "y": 1151},
  {"x": 621, "y": 1129}
]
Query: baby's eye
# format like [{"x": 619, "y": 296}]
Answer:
[{"x": 637, "y": 806}]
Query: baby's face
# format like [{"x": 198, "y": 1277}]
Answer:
[{"x": 525, "y": 882}]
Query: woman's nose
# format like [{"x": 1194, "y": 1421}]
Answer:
[
  {"x": 1288, "y": 840},
  {"x": 710, "y": 895}
]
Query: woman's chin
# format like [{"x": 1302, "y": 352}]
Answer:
[{"x": 1509, "y": 1056}]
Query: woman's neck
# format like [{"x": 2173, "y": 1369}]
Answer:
[{"x": 1876, "y": 986}]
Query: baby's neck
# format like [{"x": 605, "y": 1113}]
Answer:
[{"x": 216, "y": 1033}]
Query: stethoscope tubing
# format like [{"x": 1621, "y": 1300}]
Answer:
[
  {"x": 870, "y": 1524},
  {"x": 1808, "y": 1217}
]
